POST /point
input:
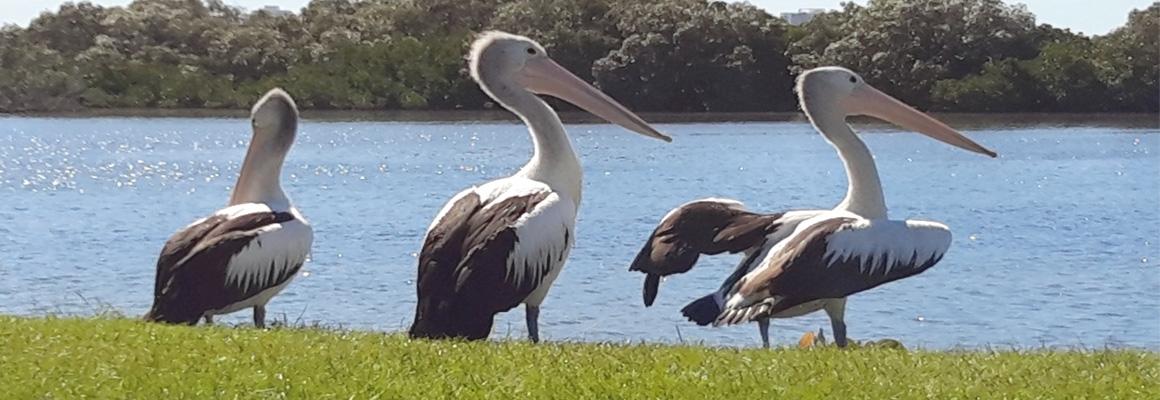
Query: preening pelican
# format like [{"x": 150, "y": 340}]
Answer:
[
  {"x": 799, "y": 262},
  {"x": 240, "y": 256},
  {"x": 503, "y": 243}
]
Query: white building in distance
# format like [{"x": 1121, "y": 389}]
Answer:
[
  {"x": 802, "y": 16},
  {"x": 275, "y": 11}
]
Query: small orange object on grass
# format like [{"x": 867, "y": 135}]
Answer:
[{"x": 810, "y": 339}]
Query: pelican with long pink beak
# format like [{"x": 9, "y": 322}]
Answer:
[
  {"x": 502, "y": 244},
  {"x": 798, "y": 262}
]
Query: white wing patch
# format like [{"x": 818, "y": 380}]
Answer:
[
  {"x": 789, "y": 224},
  {"x": 238, "y": 210},
  {"x": 878, "y": 245},
  {"x": 276, "y": 249},
  {"x": 545, "y": 239},
  {"x": 884, "y": 244},
  {"x": 493, "y": 192},
  {"x": 545, "y": 234}
]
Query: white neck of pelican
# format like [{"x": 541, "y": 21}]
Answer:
[
  {"x": 260, "y": 179},
  {"x": 864, "y": 195},
  {"x": 553, "y": 162}
]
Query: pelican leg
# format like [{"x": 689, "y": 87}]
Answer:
[
  {"x": 836, "y": 309},
  {"x": 260, "y": 317},
  {"x": 208, "y": 319},
  {"x": 763, "y": 328},
  {"x": 533, "y": 317}
]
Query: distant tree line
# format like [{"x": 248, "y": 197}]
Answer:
[{"x": 654, "y": 55}]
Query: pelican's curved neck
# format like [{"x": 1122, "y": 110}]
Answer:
[
  {"x": 553, "y": 162},
  {"x": 864, "y": 194},
  {"x": 260, "y": 180}
]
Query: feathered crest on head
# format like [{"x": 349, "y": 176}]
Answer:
[{"x": 481, "y": 43}]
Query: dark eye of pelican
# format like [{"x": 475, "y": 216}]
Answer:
[
  {"x": 531, "y": 51},
  {"x": 853, "y": 79}
]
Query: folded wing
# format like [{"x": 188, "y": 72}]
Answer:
[
  {"x": 834, "y": 257},
  {"x": 485, "y": 254},
  {"x": 226, "y": 259}
]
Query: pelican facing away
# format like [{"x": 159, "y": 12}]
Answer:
[
  {"x": 503, "y": 243},
  {"x": 240, "y": 256},
  {"x": 798, "y": 262}
]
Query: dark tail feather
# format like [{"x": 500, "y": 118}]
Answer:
[
  {"x": 703, "y": 311},
  {"x": 652, "y": 283}
]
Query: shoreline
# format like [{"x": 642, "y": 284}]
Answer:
[
  {"x": 499, "y": 115},
  {"x": 577, "y": 117}
]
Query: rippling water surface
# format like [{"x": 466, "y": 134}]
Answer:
[{"x": 1056, "y": 241}]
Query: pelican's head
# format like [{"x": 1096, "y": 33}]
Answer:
[
  {"x": 839, "y": 90},
  {"x": 503, "y": 62},
  {"x": 274, "y": 119}
]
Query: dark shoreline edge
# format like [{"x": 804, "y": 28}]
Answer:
[
  {"x": 1135, "y": 120},
  {"x": 570, "y": 116}
]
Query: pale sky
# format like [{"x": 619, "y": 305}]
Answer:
[{"x": 1087, "y": 16}]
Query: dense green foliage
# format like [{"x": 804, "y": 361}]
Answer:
[
  {"x": 73, "y": 359},
  {"x": 655, "y": 55}
]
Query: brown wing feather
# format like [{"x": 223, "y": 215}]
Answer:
[
  {"x": 186, "y": 289},
  {"x": 807, "y": 246},
  {"x": 701, "y": 227},
  {"x": 178, "y": 247},
  {"x": 463, "y": 264},
  {"x": 801, "y": 273}
]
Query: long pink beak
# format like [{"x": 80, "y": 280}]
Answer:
[
  {"x": 866, "y": 100},
  {"x": 544, "y": 76}
]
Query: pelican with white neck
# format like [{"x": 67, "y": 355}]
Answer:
[
  {"x": 503, "y": 243},
  {"x": 243, "y": 255},
  {"x": 798, "y": 262}
]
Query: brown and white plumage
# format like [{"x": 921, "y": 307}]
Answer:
[
  {"x": 832, "y": 256},
  {"x": 807, "y": 260},
  {"x": 498, "y": 245},
  {"x": 706, "y": 227},
  {"x": 709, "y": 227},
  {"x": 491, "y": 249},
  {"x": 243, "y": 255}
]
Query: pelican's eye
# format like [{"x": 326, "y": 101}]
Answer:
[
  {"x": 853, "y": 79},
  {"x": 532, "y": 51}
]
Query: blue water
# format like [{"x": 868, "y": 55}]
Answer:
[{"x": 1057, "y": 242}]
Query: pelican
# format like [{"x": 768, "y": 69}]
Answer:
[
  {"x": 500, "y": 244},
  {"x": 243, "y": 255},
  {"x": 802, "y": 261}
]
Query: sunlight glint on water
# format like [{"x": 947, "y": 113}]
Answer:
[{"x": 1056, "y": 242}]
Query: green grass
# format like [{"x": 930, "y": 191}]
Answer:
[{"x": 118, "y": 358}]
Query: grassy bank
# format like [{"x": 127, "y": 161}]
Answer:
[{"x": 85, "y": 358}]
